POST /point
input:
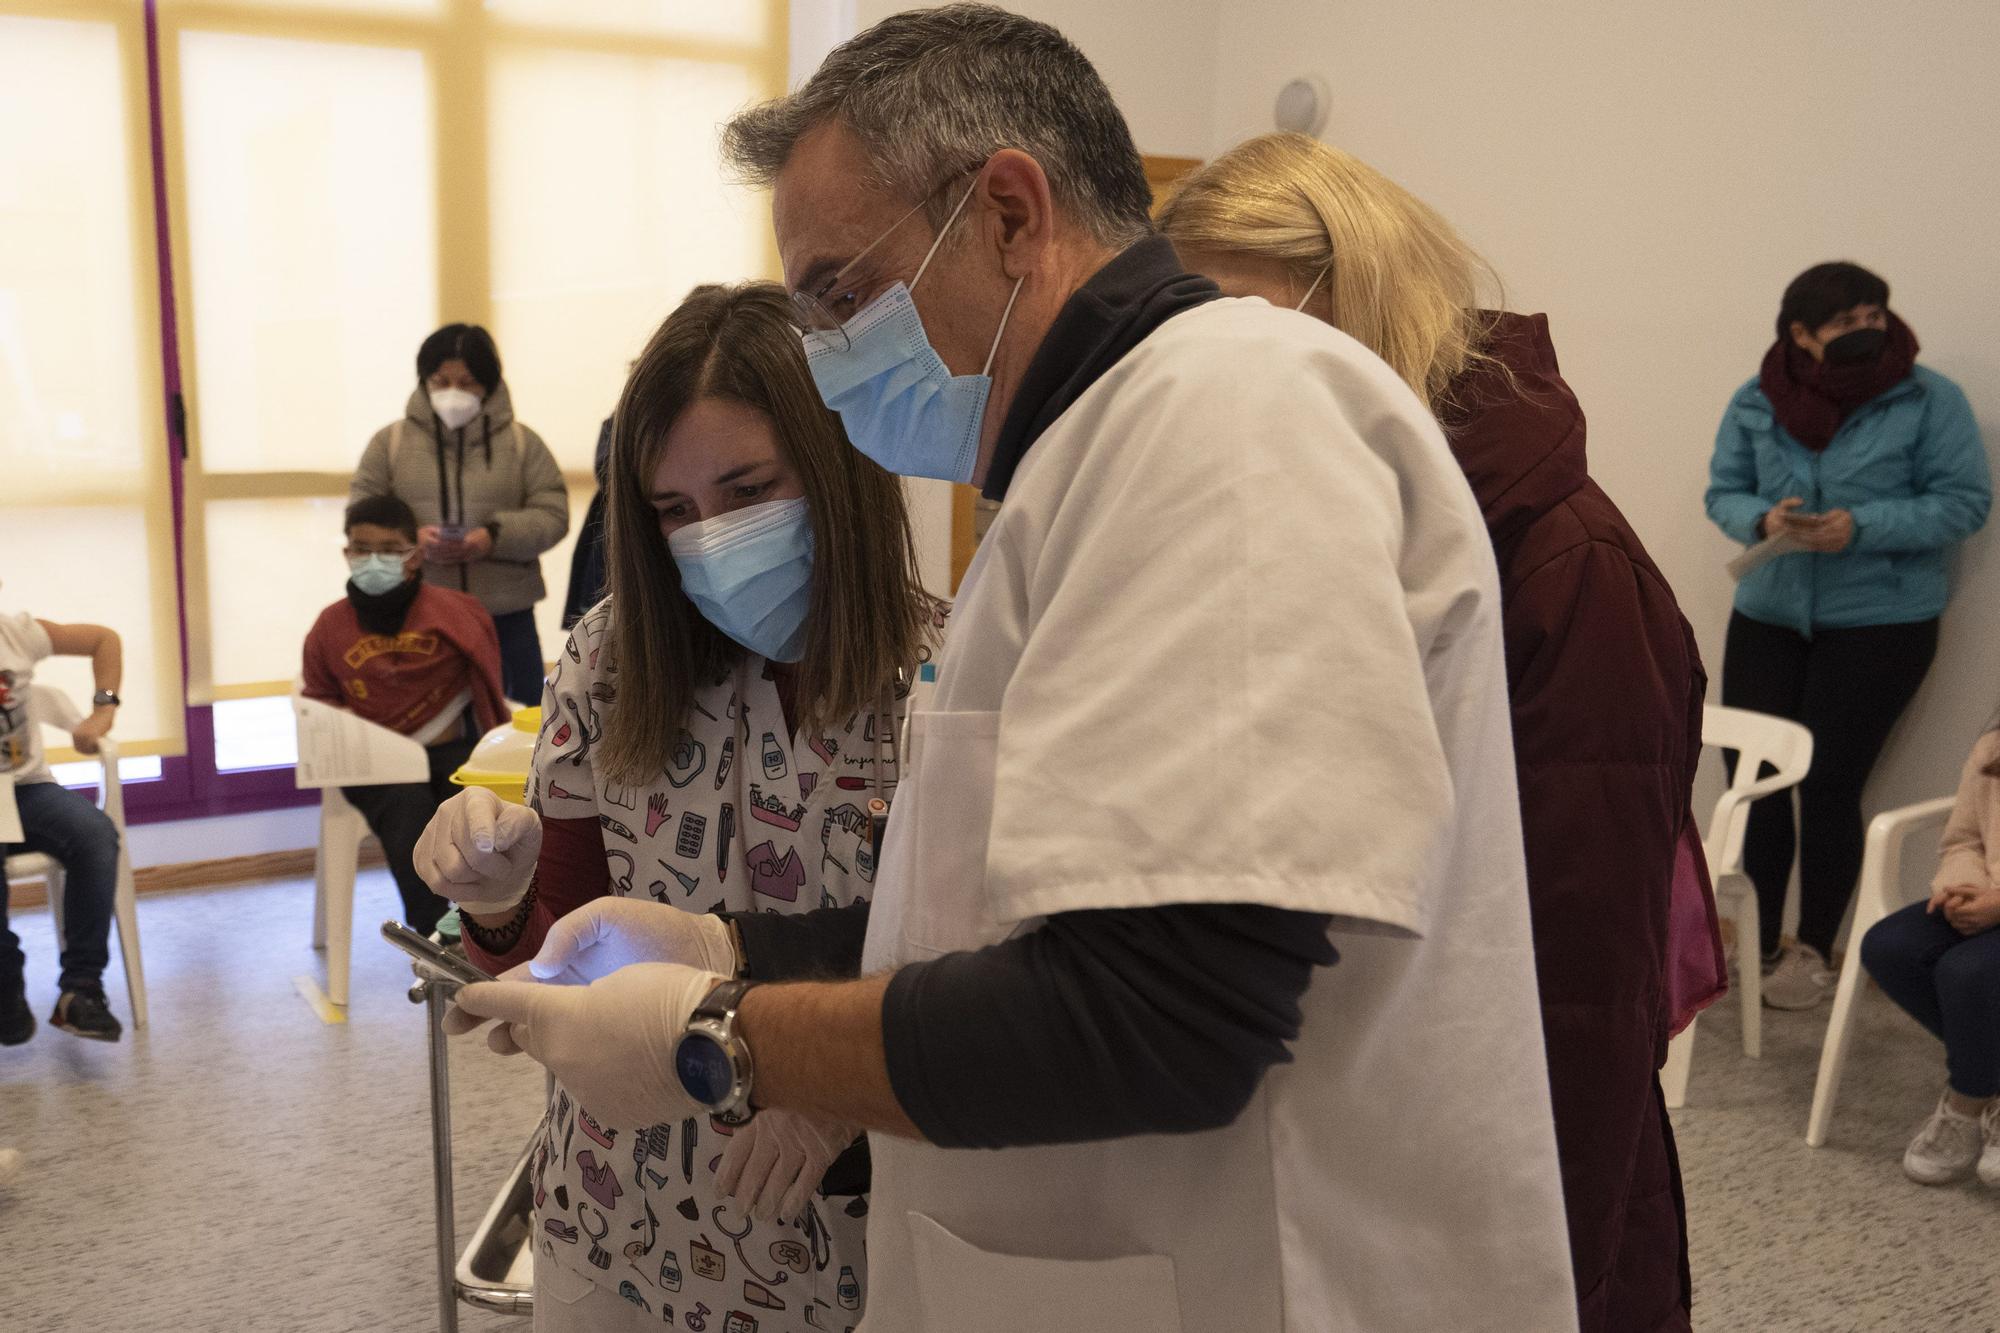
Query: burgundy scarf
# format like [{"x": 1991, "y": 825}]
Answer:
[{"x": 1812, "y": 398}]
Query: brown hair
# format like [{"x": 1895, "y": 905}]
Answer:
[
  {"x": 1405, "y": 286},
  {"x": 869, "y": 614}
]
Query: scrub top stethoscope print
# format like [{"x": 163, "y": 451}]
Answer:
[{"x": 744, "y": 817}]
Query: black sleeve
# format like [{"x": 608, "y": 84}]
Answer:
[
  {"x": 811, "y": 946},
  {"x": 1101, "y": 1024}
]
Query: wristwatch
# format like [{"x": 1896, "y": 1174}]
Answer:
[
  {"x": 105, "y": 699},
  {"x": 711, "y": 1060}
]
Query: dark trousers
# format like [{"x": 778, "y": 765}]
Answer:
[
  {"x": 83, "y": 840},
  {"x": 1947, "y": 982},
  {"x": 521, "y": 666},
  {"x": 396, "y": 813},
  {"x": 1848, "y": 687}
]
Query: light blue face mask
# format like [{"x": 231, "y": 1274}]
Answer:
[
  {"x": 900, "y": 404},
  {"x": 750, "y": 574},
  {"x": 376, "y": 574}
]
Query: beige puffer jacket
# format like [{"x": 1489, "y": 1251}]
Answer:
[{"x": 491, "y": 470}]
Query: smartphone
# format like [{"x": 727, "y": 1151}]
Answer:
[{"x": 433, "y": 957}]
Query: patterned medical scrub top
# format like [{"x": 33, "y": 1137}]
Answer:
[{"x": 746, "y": 817}]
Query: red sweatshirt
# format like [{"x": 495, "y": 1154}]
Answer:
[{"x": 447, "y": 645}]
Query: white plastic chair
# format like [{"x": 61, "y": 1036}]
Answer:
[
  {"x": 53, "y": 710},
  {"x": 324, "y": 751},
  {"x": 1880, "y": 892},
  {"x": 335, "y": 862},
  {"x": 1758, "y": 739}
]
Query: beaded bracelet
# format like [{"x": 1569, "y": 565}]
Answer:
[{"x": 501, "y": 939}]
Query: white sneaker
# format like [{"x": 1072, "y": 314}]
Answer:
[
  {"x": 1989, "y": 1161},
  {"x": 10, "y": 1165},
  {"x": 1800, "y": 980},
  {"x": 1945, "y": 1148}
]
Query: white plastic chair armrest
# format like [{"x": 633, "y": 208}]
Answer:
[
  {"x": 1882, "y": 858},
  {"x": 111, "y": 795},
  {"x": 1908, "y": 819}
]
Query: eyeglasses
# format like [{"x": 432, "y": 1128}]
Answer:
[
  {"x": 400, "y": 552},
  {"x": 826, "y": 311}
]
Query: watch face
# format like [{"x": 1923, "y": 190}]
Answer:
[{"x": 704, "y": 1069}]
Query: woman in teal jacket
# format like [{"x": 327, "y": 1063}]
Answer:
[{"x": 1872, "y": 465}]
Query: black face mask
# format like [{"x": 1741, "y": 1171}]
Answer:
[{"x": 1851, "y": 349}]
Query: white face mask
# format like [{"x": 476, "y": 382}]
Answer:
[{"x": 454, "y": 407}]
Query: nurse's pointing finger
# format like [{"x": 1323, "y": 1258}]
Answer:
[{"x": 508, "y": 1001}]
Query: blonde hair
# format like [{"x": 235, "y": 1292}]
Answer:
[
  {"x": 1403, "y": 284},
  {"x": 870, "y": 617}
]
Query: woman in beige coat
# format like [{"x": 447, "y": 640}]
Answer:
[
  {"x": 1940, "y": 960},
  {"x": 488, "y": 495}
]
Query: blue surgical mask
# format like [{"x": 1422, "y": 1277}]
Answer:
[
  {"x": 376, "y": 574},
  {"x": 750, "y": 574},
  {"x": 901, "y": 406}
]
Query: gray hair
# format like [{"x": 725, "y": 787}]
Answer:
[{"x": 933, "y": 93}]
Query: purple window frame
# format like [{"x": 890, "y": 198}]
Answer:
[{"x": 189, "y": 786}]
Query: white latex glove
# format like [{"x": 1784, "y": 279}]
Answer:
[
  {"x": 609, "y": 933},
  {"x": 456, "y": 1022},
  {"x": 611, "y": 1043},
  {"x": 479, "y": 851},
  {"x": 773, "y": 1164}
]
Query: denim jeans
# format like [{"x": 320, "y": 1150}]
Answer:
[
  {"x": 66, "y": 826},
  {"x": 1948, "y": 982},
  {"x": 521, "y": 668},
  {"x": 397, "y": 813}
]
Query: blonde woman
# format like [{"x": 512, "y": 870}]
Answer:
[
  {"x": 713, "y": 734},
  {"x": 1604, "y": 678}
]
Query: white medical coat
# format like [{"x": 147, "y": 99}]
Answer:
[{"x": 1234, "y": 636}]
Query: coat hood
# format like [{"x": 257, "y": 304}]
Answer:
[
  {"x": 1515, "y": 427},
  {"x": 498, "y": 409}
]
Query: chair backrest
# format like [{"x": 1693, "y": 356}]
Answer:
[
  {"x": 54, "y": 710},
  {"x": 1758, "y": 739}
]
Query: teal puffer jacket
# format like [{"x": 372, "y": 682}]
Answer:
[{"x": 1910, "y": 467}]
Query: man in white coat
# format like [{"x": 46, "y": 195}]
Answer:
[{"x": 1197, "y": 990}]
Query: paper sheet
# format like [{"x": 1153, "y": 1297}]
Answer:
[
  {"x": 1763, "y": 553},
  {"x": 338, "y": 749},
  {"x": 10, "y": 813}
]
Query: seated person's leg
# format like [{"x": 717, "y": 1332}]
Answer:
[
  {"x": 17, "y": 1020},
  {"x": 1901, "y": 951},
  {"x": 67, "y": 826},
  {"x": 396, "y": 814}
]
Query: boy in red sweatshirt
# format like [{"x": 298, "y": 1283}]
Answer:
[{"x": 415, "y": 658}]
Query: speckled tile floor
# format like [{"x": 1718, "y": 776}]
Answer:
[
  {"x": 240, "y": 1166},
  {"x": 1791, "y": 1239}
]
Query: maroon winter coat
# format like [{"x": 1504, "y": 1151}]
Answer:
[{"x": 1606, "y": 686}]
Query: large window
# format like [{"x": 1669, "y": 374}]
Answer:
[
  {"x": 86, "y": 524},
  {"x": 340, "y": 177},
  {"x": 348, "y": 182}
]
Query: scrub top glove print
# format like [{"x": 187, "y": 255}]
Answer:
[
  {"x": 750, "y": 574},
  {"x": 607, "y": 934},
  {"x": 610, "y": 1044},
  {"x": 774, "y": 1164},
  {"x": 480, "y": 851}
]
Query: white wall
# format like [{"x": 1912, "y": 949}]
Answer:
[
  {"x": 1652, "y": 176},
  {"x": 224, "y": 836},
  {"x": 1157, "y": 56}
]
